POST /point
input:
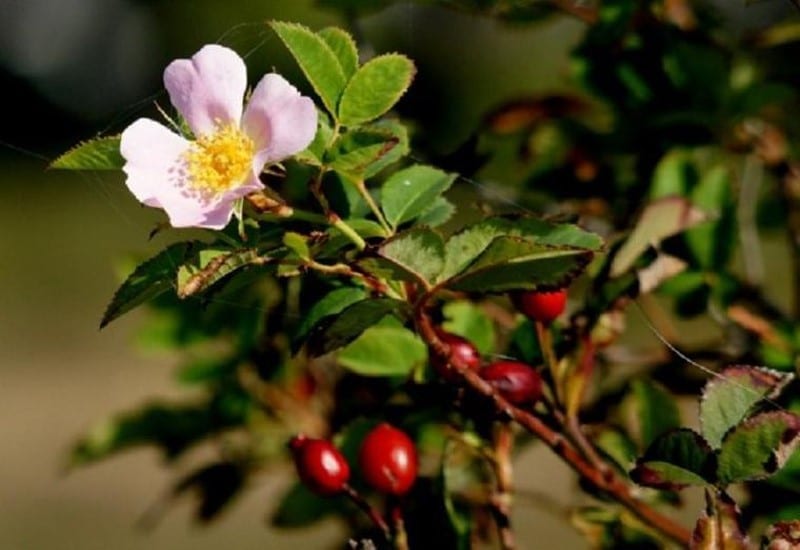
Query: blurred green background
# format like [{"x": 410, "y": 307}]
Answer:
[{"x": 71, "y": 69}]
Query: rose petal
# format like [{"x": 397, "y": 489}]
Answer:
[
  {"x": 157, "y": 176},
  {"x": 153, "y": 157},
  {"x": 279, "y": 120},
  {"x": 208, "y": 88}
]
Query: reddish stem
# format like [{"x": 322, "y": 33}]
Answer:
[
  {"x": 367, "y": 508},
  {"x": 605, "y": 480}
]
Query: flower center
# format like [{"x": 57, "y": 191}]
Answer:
[{"x": 219, "y": 161}]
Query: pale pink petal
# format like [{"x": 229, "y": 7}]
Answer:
[
  {"x": 153, "y": 159},
  {"x": 156, "y": 170},
  {"x": 208, "y": 88},
  {"x": 279, "y": 120}
]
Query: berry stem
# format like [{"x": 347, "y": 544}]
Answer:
[
  {"x": 604, "y": 479},
  {"x": 501, "y": 500},
  {"x": 368, "y": 509},
  {"x": 545, "y": 338},
  {"x": 399, "y": 525}
]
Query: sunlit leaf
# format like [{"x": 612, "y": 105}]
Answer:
[
  {"x": 511, "y": 263},
  {"x": 469, "y": 320},
  {"x": 375, "y": 88},
  {"x": 758, "y": 447},
  {"x": 728, "y": 398},
  {"x": 317, "y": 60},
  {"x": 466, "y": 245},
  {"x": 344, "y": 47},
  {"x": 387, "y": 349},
  {"x": 416, "y": 254},
  {"x": 96, "y": 154},
  {"x": 411, "y": 191}
]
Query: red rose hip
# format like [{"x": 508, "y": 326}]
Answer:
[
  {"x": 320, "y": 465},
  {"x": 541, "y": 305},
  {"x": 462, "y": 353},
  {"x": 388, "y": 460},
  {"x": 517, "y": 382}
]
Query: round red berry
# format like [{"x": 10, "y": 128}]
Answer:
[
  {"x": 320, "y": 465},
  {"x": 543, "y": 305},
  {"x": 461, "y": 353},
  {"x": 517, "y": 382},
  {"x": 388, "y": 460}
]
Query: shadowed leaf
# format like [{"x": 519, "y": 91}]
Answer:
[
  {"x": 211, "y": 265},
  {"x": 149, "y": 280},
  {"x": 335, "y": 332},
  {"x": 674, "y": 460},
  {"x": 661, "y": 219}
]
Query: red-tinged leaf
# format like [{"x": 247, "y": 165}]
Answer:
[{"x": 719, "y": 528}]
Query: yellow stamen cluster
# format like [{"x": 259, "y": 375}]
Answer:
[{"x": 219, "y": 161}]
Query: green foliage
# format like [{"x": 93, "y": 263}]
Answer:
[
  {"x": 149, "y": 280},
  {"x": 96, "y": 154},
  {"x": 375, "y": 88},
  {"x": 408, "y": 193},
  {"x": 729, "y": 398},
  {"x": 317, "y": 60},
  {"x": 646, "y": 174},
  {"x": 385, "y": 349}
]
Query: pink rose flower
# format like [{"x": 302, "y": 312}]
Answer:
[{"x": 197, "y": 182}]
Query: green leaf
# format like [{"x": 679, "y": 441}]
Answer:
[
  {"x": 438, "y": 213},
  {"x": 729, "y": 397},
  {"x": 330, "y": 304},
  {"x": 411, "y": 191},
  {"x": 719, "y": 528},
  {"x": 511, "y": 263},
  {"x": 675, "y": 459},
  {"x": 662, "y": 218},
  {"x": 618, "y": 446},
  {"x": 336, "y": 332},
  {"x": 673, "y": 176},
  {"x": 465, "y": 246},
  {"x": 317, "y": 60},
  {"x": 712, "y": 243},
  {"x": 469, "y": 320},
  {"x": 96, "y": 154},
  {"x": 416, "y": 254},
  {"x": 649, "y": 412},
  {"x": 384, "y": 350},
  {"x": 344, "y": 48},
  {"x": 298, "y": 244},
  {"x": 363, "y": 152},
  {"x": 758, "y": 447},
  {"x": 210, "y": 265},
  {"x": 375, "y": 88},
  {"x": 149, "y": 280}
]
